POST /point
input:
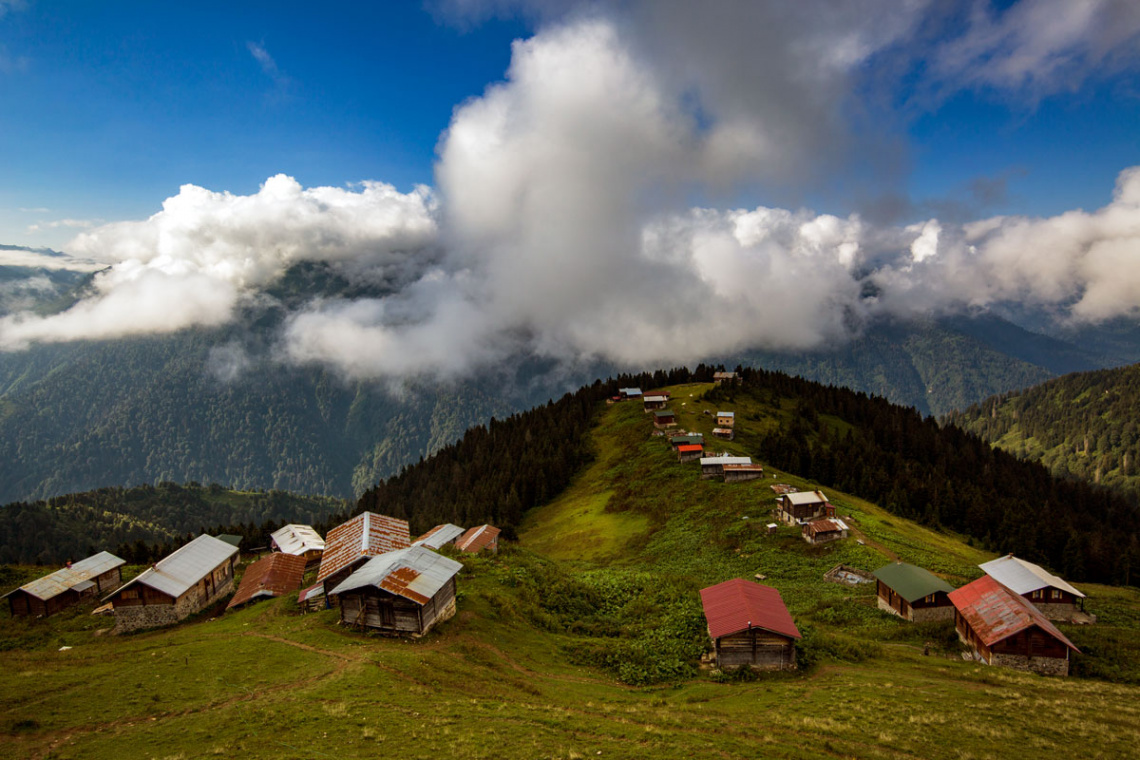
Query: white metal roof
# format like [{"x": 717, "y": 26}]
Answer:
[
  {"x": 54, "y": 584},
  {"x": 630, "y": 391},
  {"x": 176, "y": 573},
  {"x": 423, "y": 574},
  {"x": 726, "y": 414},
  {"x": 725, "y": 460},
  {"x": 805, "y": 497},
  {"x": 439, "y": 536},
  {"x": 297, "y": 539},
  {"x": 655, "y": 398},
  {"x": 1021, "y": 577}
]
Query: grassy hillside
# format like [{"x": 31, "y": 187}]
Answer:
[
  {"x": 583, "y": 641},
  {"x": 1082, "y": 425}
]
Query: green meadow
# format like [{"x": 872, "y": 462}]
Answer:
[{"x": 584, "y": 640}]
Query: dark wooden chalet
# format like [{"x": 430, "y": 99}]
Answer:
[
  {"x": 182, "y": 583},
  {"x": 713, "y": 467},
  {"x": 913, "y": 593},
  {"x": 403, "y": 593},
  {"x": 1052, "y": 595},
  {"x": 749, "y": 626},
  {"x": 664, "y": 418},
  {"x": 738, "y": 473},
  {"x": 1004, "y": 629},
  {"x": 686, "y": 439},
  {"x": 803, "y": 506},
  {"x": 823, "y": 530},
  {"x": 45, "y": 596},
  {"x": 690, "y": 452},
  {"x": 351, "y": 544},
  {"x": 479, "y": 538},
  {"x": 654, "y": 402}
]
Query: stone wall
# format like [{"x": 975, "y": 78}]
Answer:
[
  {"x": 1046, "y": 666},
  {"x": 927, "y": 614},
  {"x": 1056, "y": 611},
  {"x": 137, "y": 617},
  {"x": 885, "y": 606}
]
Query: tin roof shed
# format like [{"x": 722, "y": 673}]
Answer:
[
  {"x": 366, "y": 535},
  {"x": 910, "y": 582},
  {"x": 1023, "y": 577},
  {"x": 77, "y": 577},
  {"x": 739, "y": 605},
  {"x": 995, "y": 612},
  {"x": 416, "y": 573},
  {"x": 176, "y": 573}
]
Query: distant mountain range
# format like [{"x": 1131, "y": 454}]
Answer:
[{"x": 214, "y": 406}]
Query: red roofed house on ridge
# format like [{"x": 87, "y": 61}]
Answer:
[
  {"x": 352, "y": 543},
  {"x": 1005, "y": 629},
  {"x": 479, "y": 538},
  {"x": 749, "y": 625}
]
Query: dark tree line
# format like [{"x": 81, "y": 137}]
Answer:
[{"x": 946, "y": 477}]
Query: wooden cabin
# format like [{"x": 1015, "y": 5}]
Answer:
[
  {"x": 273, "y": 575},
  {"x": 738, "y": 473},
  {"x": 913, "y": 593},
  {"x": 726, "y": 419},
  {"x": 439, "y": 536},
  {"x": 803, "y": 506},
  {"x": 403, "y": 593},
  {"x": 300, "y": 541},
  {"x": 351, "y": 544},
  {"x": 654, "y": 402},
  {"x": 479, "y": 538},
  {"x": 721, "y": 378},
  {"x": 91, "y": 577},
  {"x": 725, "y": 434},
  {"x": 823, "y": 530},
  {"x": 180, "y": 584},
  {"x": 713, "y": 467},
  {"x": 664, "y": 418},
  {"x": 686, "y": 439},
  {"x": 749, "y": 626},
  {"x": 690, "y": 452},
  {"x": 1045, "y": 591},
  {"x": 629, "y": 393},
  {"x": 1004, "y": 629}
]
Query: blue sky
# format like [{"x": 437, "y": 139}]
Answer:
[{"x": 109, "y": 107}]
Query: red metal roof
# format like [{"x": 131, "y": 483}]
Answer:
[
  {"x": 995, "y": 613},
  {"x": 477, "y": 538},
  {"x": 738, "y": 605},
  {"x": 823, "y": 526},
  {"x": 366, "y": 535},
  {"x": 272, "y": 575},
  {"x": 690, "y": 447}
]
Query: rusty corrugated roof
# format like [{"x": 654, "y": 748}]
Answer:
[
  {"x": 754, "y": 467},
  {"x": 416, "y": 573},
  {"x": 366, "y": 535},
  {"x": 477, "y": 538},
  {"x": 995, "y": 612},
  {"x": 272, "y": 575},
  {"x": 739, "y": 605},
  {"x": 825, "y": 525}
]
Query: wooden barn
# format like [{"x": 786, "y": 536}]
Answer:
[
  {"x": 45, "y": 596},
  {"x": 664, "y": 418},
  {"x": 690, "y": 452},
  {"x": 713, "y": 467},
  {"x": 749, "y": 626},
  {"x": 654, "y": 402},
  {"x": 1048, "y": 593},
  {"x": 726, "y": 419},
  {"x": 686, "y": 439},
  {"x": 738, "y": 473},
  {"x": 479, "y": 538},
  {"x": 180, "y": 584},
  {"x": 721, "y": 378},
  {"x": 823, "y": 530},
  {"x": 273, "y": 575},
  {"x": 913, "y": 593},
  {"x": 798, "y": 508},
  {"x": 300, "y": 541},
  {"x": 725, "y": 434},
  {"x": 439, "y": 536},
  {"x": 351, "y": 544},
  {"x": 1004, "y": 629},
  {"x": 629, "y": 393},
  {"x": 403, "y": 593}
]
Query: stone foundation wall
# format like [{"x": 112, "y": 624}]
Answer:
[
  {"x": 927, "y": 614},
  {"x": 885, "y": 606},
  {"x": 1046, "y": 666},
  {"x": 1056, "y": 611},
  {"x": 137, "y": 617}
]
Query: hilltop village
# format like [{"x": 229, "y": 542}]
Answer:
[{"x": 378, "y": 578}]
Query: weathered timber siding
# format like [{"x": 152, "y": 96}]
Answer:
[
  {"x": 151, "y": 608},
  {"x": 759, "y": 649},
  {"x": 389, "y": 613}
]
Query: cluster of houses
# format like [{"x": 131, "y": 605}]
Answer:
[
  {"x": 1005, "y": 617},
  {"x": 369, "y": 567}
]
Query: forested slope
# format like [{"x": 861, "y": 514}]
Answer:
[{"x": 1083, "y": 425}]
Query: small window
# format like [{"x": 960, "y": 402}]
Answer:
[
  {"x": 131, "y": 594},
  {"x": 930, "y": 599},
  {"x": 1037, "y": 594},
  {"x": 1055, "y": 593}
]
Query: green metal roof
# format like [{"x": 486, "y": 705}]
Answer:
[
  {"x": 664, "y": 413},
  {"x": 230, "y": 539},
  {"x": 910, "y": 582}
]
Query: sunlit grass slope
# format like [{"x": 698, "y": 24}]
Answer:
[{"x": 583, "y": 641}]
